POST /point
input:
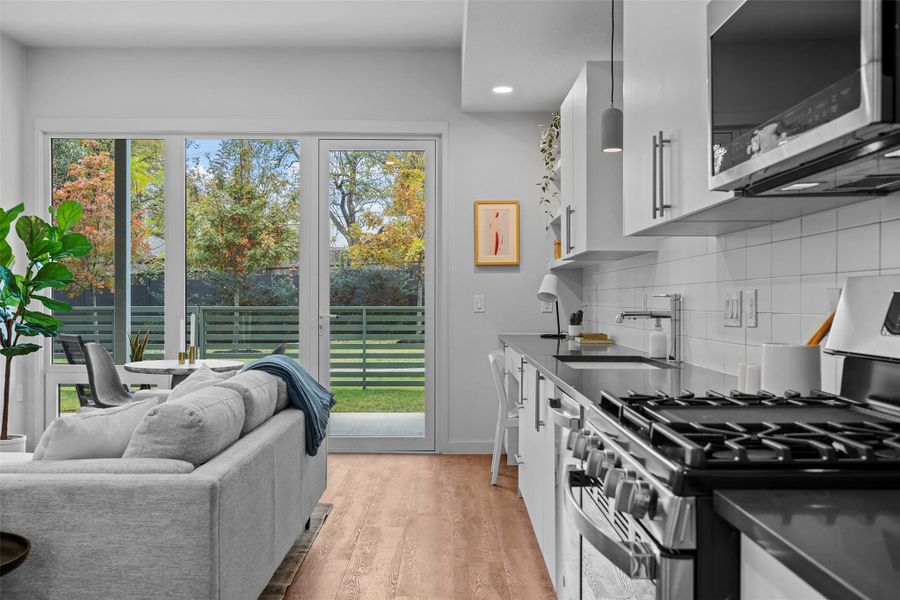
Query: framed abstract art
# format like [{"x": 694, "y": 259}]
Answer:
[{"x": 496, "y": 232}]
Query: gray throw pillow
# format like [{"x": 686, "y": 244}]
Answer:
[
  {"x": 283, "y": 401},
  {"x": 259, "y": 392},
  {"x": 194, "y": 428},
  {"x": 99, "y": 433},
  {"x": 199, "y": 379}
]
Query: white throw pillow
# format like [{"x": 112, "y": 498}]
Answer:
[
  {"x": 96, "y": 434},
  {"x": 203, "y": 377}
]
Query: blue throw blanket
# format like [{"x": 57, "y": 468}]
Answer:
[{"x": 305, "y": 393}]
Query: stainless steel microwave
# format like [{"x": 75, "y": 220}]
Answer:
[{"x": 803, "y": 96}]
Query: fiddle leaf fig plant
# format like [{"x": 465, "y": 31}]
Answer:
[{"x": 47, "y": 244}]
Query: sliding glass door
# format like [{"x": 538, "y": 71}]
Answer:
[{"x": 376, "y": 202}]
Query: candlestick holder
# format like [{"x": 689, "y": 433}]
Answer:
[
  {"x": 182, "y": 357},
  {"x": 192, "y": 354}
]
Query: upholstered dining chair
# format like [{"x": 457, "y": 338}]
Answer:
[
  {"x": 106, "y": 387},
  {"x": 73, "y": 348},
  {"x": 507, "y": 415}
]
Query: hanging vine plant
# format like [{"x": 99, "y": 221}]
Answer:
[{"x": 550, "y": 152}]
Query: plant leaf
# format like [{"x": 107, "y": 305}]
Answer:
[
  {"x": 9, "y": 279},
  {"x": 67, "y": 214},
  {"x": 73, "y": 244},
  {"x": 8, "y": 216},
  {"x": 34, "y": 329},
  {"x": 6, "y": 254},
  {"x": 35, "y": 318},
  {"x": 19, "y": 350},
  {"x": 30, "y": 229},
  {"x": 52, "y": 275},
  {"x": 52, "y": 304}
]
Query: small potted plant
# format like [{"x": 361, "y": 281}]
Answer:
[
  {"x": 575, "y": 323},
  {"x": 46, "y": 246}
]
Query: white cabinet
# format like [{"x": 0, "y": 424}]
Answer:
[
  {"x": 591, "y": 180},
  {"x": 665, "y": 92},
  {"x": 537, "y": 468}
]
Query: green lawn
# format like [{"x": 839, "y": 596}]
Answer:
[{"x": 349, "y": 399}]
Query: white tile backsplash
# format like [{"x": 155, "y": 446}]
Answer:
[{"x": 791, "y": 265}]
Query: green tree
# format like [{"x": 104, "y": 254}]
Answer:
[
  {"x": 393, "y": 234},
  {"x": 242, "y": 213}
]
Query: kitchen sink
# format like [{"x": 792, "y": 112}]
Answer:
[{"x": 610, "y": 361}]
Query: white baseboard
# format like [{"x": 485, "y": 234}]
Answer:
[{"x": 468, "y": 447}]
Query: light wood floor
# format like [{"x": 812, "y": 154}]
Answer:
[{"x": 422, "y": 526}]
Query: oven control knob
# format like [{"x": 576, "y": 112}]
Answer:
[
  {"x": 611, "y": 481},
  {"x": 634, "y": 496},
  {"x": 584, "y": 443},
  {"x": 599, "y": 462}
]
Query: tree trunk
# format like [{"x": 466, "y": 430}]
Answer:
[{"x": 6, "y": 377}]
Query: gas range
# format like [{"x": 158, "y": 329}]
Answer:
[{"x": 648, "y": 462}]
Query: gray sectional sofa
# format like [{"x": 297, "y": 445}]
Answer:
[{"x": 144, "y": 528}]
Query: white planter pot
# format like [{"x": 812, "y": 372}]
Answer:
[
  {"x": 15, "y": 443},
  {"x": 574, "y": 331}
]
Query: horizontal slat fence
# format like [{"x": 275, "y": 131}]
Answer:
[{"x": 371, "y": 346}]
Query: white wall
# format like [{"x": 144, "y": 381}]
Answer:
[
  {"x": 791, "y": 265},
  {"x": 12, "y": 190},
  {"x": 490, "y": 157}
]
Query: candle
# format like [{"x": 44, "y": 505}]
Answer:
[
  {"x": 181, "y": 335},
  {"x": 193, "y": 328}
]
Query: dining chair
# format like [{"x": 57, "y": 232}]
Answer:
[
  {"x": 106, "y": 387},
  {"x": 507, "y": 415},
  {"x": 73, "y": 348},
  {"x": 280, "y": 349}
]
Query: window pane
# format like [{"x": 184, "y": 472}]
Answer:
[
  {"x": 243, "y": 246},
  {"x": 84, "y": 170}
]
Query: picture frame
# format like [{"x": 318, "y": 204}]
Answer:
[{"x": 496, "y": 232}]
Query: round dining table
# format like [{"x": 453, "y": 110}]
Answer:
[{"x": 180, "y": 371}]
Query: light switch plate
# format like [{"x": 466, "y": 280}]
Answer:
[
  {"x": 749, "y": 302},
  {"x": 546, "y": 307},
  {"x": 732, "y": 310},
  {"x": 478, "y": 303}
]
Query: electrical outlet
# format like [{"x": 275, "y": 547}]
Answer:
[
  {"x": 732, "y": 311},
  {"x": 546, "y": 307},
  {"x": 478, "y": 303},
  {"x": 749, "y": 301}
]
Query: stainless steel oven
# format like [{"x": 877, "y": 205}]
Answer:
[
  {"x": 803, "y": 96},
  {"x": 608, "y": 549}
]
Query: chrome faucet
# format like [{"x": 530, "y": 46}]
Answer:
[{"x": 673, "y": 314}]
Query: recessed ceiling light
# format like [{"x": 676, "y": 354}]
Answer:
[
  {"x": 893, "y": 154},
  {"x": 502, "y": 89},
  {"x": 803, "y": 185}
]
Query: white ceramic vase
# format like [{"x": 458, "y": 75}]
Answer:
[
  {"x": 574, "y": 331},
  {"x": 15, "y": 443}
]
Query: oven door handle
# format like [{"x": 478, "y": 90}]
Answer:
[{"x": 636, "y": 560}]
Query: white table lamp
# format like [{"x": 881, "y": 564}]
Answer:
[{"x": 549, "y": 292}]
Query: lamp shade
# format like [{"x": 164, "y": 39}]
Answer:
[
  {"x": 611, "y": 130},
  {"x": 548, "y": 291}
]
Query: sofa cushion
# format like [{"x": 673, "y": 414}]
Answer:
[
  {"x": 130, "y": 466},
  {"x": 259, "y": 392},
  {"x": 194, "y": 428},
  {"x": 282, "y": 401},
  {"x": 201, "y": 378},
  {"x": 101, "y": 433}
]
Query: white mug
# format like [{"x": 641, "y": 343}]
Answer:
[{"x": 791, "y": 367}]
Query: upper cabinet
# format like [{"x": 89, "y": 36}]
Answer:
[
  {"x": 666, "y": 150},
  {"x": 590, "y": 218}
]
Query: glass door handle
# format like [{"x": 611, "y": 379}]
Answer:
[{"x": 323, "y": 319}]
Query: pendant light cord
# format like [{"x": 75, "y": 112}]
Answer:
[{"x": 612, "y": 41}]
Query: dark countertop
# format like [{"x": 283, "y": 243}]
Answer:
[
  {"x": 844, "y": 543},
  {"x": 587, "y": 384}
]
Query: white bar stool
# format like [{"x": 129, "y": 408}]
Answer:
[{"x": 507, "y": 416}]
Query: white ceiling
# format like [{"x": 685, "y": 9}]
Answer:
[
  {"x": 538, "y": 47},
  {"x": 352, "y": 24}
]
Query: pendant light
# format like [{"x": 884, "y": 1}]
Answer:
[{"x": 611, "y": 119}]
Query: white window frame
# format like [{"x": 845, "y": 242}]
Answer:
[{"x": 175, "y": 131}]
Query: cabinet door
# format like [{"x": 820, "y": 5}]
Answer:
[
  {"x": 566, "y": 174},
  {"x": 647, "y": 42},
  {"x": 529, "y": 450},
  {"x": 548, "y": 480},
  {"x": 578, "y": 166},
  {"x": 687, "y": 112}
]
